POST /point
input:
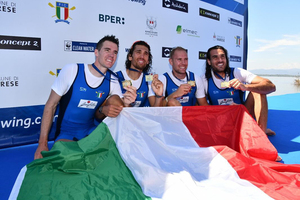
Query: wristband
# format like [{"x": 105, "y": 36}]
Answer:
[{"x": 158, "y": 96}]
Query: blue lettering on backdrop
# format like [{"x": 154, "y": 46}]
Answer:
[
  {"x": 143, "y": 2},
  {"x": 22, "y": 125}
]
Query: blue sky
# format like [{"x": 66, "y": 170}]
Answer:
[{"x": 273, "y": 34}]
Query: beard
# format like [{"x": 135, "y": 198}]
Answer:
[
  {"x": 139, "y": 66},
  {"x": 219, "y": 69}
]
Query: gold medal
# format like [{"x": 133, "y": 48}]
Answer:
[
  {"x": 126, "y": 83},
  {"x": 149, "y": 78},
  {"x": 225, "y": 84},
  {"x": 192, "y": 83}
]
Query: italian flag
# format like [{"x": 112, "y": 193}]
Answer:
[
  {"x": 200, "y": 152},
  {"x": 62, "y": 10}
]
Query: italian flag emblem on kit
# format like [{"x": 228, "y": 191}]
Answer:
[
  {"x": 231, "y": 92},
  {"x": 99, "y": 94},
  {"x": 141, "y": 94}
]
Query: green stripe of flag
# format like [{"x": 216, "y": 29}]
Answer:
[{"x": 88, "y": 169}]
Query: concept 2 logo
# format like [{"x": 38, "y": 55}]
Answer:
[{"x": 62, "y": 11}]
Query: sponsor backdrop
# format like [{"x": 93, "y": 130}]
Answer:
[{"x": 38, "y": 38}]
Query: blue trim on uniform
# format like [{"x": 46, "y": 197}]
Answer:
[
  {"x": 142, "y": 91},
  {"x": 214, "y": 93},
  {"x": 62, "y": 106},
  {"x": 172, "y": 87},
  {"x": 77, "y": 107}
]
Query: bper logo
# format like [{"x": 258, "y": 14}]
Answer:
[
  {"x": 112, "y": 19},
  {"x": 175, "y": 5},
  {"x": 166, "y": 52},
  {"x": 62, "y": 11},
  {"x": 209, "y": 14},
  {"x": 202, "y": 55}
]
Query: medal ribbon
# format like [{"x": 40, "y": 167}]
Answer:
[
  {"x": 188, "y": 79},
  {"x": 135, "y": 70},
  {"x": 96, "y": 68},
  {"x": 218, "y": 75}
]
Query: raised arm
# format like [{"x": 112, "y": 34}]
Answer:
[{"x": 158, "y": 88}]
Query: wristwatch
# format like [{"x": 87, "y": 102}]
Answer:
[{"x": 100, "y": 109}]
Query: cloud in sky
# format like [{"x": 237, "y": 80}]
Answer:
[
  {"x": 289, "y": 65},
  {"x": 287, "y": 40}
]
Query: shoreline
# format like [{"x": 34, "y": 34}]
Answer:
[{"x": 281, "y": 75}]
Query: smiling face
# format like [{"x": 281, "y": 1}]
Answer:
[
  {"x": 217, "y": 60},
  {"x": 179, "y": 62},
  {"x": 107, "y": 55},
  {"x": 140, "y": 57}
]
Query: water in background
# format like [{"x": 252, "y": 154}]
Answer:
[{"x": 284, "y": 84}]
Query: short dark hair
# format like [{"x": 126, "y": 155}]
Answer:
[
  {"x": 110, "y": 38},
  {"x": 176, "y": 49},
  {"x": 208, "y": 67},
  {"x": 130, "y": 52}
]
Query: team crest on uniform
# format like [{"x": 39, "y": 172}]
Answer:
[
  {"x": 141, "y": 94},
  {"x": 231, "y": 93},
  {"x": 100, "y": 94},
  {"x": 62, "y": 11}
]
